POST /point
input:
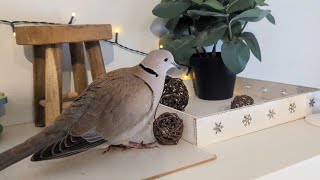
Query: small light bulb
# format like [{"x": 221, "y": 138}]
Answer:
[
  {"x": 186, "y": 78},
  {"x": 161, "y": 46},
  {"x": 117, "y": 30},
  {"x": 14, "y": 34},
  {"x": 73, "y": 14}
]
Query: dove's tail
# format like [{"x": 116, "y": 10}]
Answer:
[{"x": 41, "y": 140}]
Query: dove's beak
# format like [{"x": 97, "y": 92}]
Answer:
[{"x": 176, "y": 65}]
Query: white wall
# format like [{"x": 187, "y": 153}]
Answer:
[
  {"x": 133, "y": 17},
  {"x": 290, "y": 49}
]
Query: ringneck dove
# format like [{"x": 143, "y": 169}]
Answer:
[{"x": 114, "y": 108}]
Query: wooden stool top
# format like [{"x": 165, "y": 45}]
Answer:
[{"x": 56, "y": 34}]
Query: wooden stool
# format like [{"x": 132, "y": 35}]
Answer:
[{"x": 47, "y": 63}]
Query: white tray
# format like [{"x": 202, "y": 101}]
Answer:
[{"x": 209, "y": 122}]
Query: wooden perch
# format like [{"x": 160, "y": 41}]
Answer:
[
  {"x": 65, "y": 105},
  {"x": 47, "y": 43},
  {"x": 70, "y": 96},
  {"x": 57, "y": 34}
]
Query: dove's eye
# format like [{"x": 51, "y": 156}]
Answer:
[{"x": 166, "y": 59}]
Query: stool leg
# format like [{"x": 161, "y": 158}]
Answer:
[
  {"x": 95, "y": 59},
  {"x": 38, "y": 84},
  {"x": 78, "y": 67},
  {"x": 53, "y": 83}
]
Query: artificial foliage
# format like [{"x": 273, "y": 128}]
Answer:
[
  {"x": 3, "y": 100},
  {"x": 195, "y": 24}
]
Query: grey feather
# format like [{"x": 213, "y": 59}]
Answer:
[{"x": 114, "y": 108}]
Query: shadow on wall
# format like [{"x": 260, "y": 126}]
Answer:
[{"x": 107, "y": 53}]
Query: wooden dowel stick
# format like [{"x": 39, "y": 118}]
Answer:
[
  {"x": 182, "y": 168},
  {"x": 53, "y": 82},
  {"x": 95, "y": 59},
  {"x": 38, "y": 84}
]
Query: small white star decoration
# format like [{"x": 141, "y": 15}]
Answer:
[
  {"x": 292, "y": 108},
  {"x": 271, "y": 114},
  {"x": 247, "y": 120},
  {"x": 218, "y": 128},
  {"x": 312, "y": 102}
]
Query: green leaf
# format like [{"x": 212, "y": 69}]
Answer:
[
  {"x": 171, "y": 9},
  {"x": 271, "y": 19},
  {"x": 183, "y": 25},
  {"x": 172, "y": 24},
  {"x": 235, "y": 55},
  {"x": 261, "y": 3},
  {"x": 253, "y": 44},
  {"x": 252, "y": 15},
  {"x": 211, "y": 36},
  {"x": 214, "y": 4},
  {"x": 166, "y": 39},
  {"x": 237, "y": 5},
  {"x": 264, "y": 4},
  {"x": 198, "y": 1},
  {"x": 1, "y": 128},
  {"x": 236, "y": 28},
  {"x": 165, "y": 1},
  {"x": 182, "y": 49},
  {"x": 206, "y": 13}
]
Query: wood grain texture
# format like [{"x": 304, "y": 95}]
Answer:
[
  {"x": 70, "y": 96},
  {"x": 182, "y": 168},
  {"x": 56, "y": 34},
  {"x": 78, "y": 67},
  {"x": 38, "y": 84},
  {"x": 53, "y": 82},
  {"x": 65, "y": 105},
  {"x": 95, "y": 59}
]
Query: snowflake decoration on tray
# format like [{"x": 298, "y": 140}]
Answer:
[
  {"x": 218, "y": 128},
  {"x": 247, "y": 120},
  {"x": 292, "y": 108},
  {"x": 271, "y": 114},
  {"x": 312, "y": 102}
]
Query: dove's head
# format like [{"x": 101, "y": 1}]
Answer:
[{"x": 158, "y": 62}]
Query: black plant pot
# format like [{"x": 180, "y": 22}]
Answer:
[{"x": 212, "y": 80}]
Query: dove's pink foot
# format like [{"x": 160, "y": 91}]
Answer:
[
  {"x": 132, "y": 145},
  {"x": 141, "y": 145}
]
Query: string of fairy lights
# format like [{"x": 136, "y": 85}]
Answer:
[{"x": 13, "y": 25}]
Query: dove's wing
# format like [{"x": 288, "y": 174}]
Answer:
[
  {"x": 116, "y": 111},
  {"x": 119, "y": 106},
  {"x": 80, "y": 106}
]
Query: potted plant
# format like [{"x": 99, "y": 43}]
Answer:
[
  {"x": 3, "y": 100},
  {"x": 195, "y": 24}
]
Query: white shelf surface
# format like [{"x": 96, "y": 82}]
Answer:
[
  {"x": 242, "y": 158},
  {"x": 93, "y": 164},
  {"x": 258, "y": 154},
  {"x": 308, "y": 169}
]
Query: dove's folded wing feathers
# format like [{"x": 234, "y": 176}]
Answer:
[
  {"x": 120, "y": 105},
  {"x": 80, "y": 105},
  {"x": 117, "y": 110}
]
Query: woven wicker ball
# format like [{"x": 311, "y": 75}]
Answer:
[
  {"x": 175, "y": 94},
  {"x": 168, "y": 129},
  {"x": 241, "y": 101}
]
